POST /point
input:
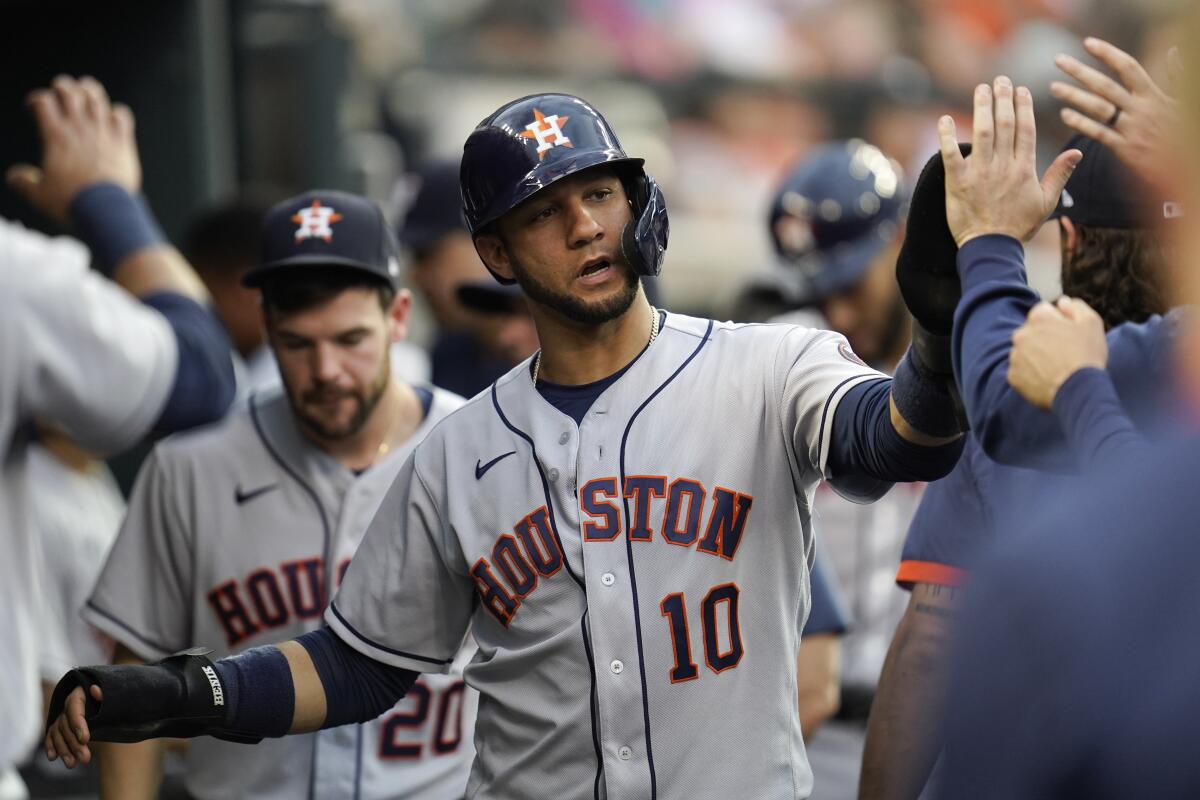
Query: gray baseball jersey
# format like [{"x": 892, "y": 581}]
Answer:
[
  {"x": 233, "y": 535},
  {"x": 863, "y": 543},
  {"x": 78, "y": 351},
  {"x": 636, "y": 584},
  {"x": 76, "y": 513}
]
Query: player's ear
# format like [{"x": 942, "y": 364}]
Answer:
[
  {"x": 1070, "y": 234},
  {"x": 494, "y": 255},
  {"x": 398, "y": 315}
]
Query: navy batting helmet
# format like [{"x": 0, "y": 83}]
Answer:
[
  {"x": 832, "y": 215},
  {"x": 530, "y": 143}
]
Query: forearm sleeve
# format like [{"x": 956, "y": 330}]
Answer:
[
  {"x": 203, "y": 386},
  {"x": 866, "y": 447},
  {"x": 1097, "y": 429},
  {"x": 261, "y": 695},
  {"x": 995, "y": 302},
  {"x": 357, "y": 687}
]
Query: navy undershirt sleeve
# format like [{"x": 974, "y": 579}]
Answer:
[
  {"x": 204, "y": 384},
  {"x": 261, "y": 697},
  {"x": 866, "y": 449},
  {"x": 1098, "y": 431},
  {"x": 995, "y": 302},
  {"x": 357, "y": 687}
]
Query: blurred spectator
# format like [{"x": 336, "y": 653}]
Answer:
[
  {"x": 513, "y": 334},
  {"x": 442, "y": 258},
  {"x": 222, "y": 243}
]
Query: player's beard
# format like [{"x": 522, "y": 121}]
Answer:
[
  {"x": 573, "y": 308},
  {"x": 366, "y": 400}
]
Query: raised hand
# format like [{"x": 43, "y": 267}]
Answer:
[
  {"x": 1133, "y": 117},
  {"x": 996, "y": 188},
  {"x": 85, "y": 140}
]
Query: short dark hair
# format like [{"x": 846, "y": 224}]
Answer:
[
  {"x": 1117, "y": 272},
  {"x": 288, "y": 293},
  {"x": 226, "y": 240}
]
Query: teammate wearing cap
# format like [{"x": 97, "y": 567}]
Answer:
[
  {"x": 622, "y": 522},
  {"x": 237, "y": 534},
  {"x": 836, "y": 222},
  {"x": 1111, "y": 264},
  {"x": 441, "y": 257}
]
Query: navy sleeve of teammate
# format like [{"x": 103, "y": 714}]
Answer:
[
  {"x": 828, "y": 612},
  {"x": 949, "y": 526},
  {"x": 866, "y": 449},
  {"x": 203, "y": 386},
  {"x": 1139, "y": 363},
  {"x": 1097, "y": 429},
  {"x": 996, "y": 299}
]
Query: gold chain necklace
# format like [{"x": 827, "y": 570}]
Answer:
[{"x": 537, "y": 361}]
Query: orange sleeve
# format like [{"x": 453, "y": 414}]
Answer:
[{"x": 912, "y": 572}]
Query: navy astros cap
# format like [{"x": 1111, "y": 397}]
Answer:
[
  {"x": 1101, "y": 192},
  {"x": 835, "y": 211},
  {"x": 327, "y": 228}
]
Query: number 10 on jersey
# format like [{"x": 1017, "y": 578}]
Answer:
[{"x": 718, "y": 657}]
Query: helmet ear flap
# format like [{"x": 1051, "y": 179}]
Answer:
[{"x": 644, "y": 238}]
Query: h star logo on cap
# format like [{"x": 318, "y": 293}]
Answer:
[
  {"x": 548, "y": 132},
  {"x": 315, "y": 222}
]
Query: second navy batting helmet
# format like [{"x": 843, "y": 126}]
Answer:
[
  {"x": 530, "y": 143},
  {"x": 832, "y": 215}
]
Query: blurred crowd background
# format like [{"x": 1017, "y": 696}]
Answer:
[{"x": 265, "y": 98}]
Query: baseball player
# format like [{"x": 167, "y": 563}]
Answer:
[
  {"x": 104, "y": 362},
  {"x": 836, "y": 223},
  {"x": 237, "y": 534},
  {"x": 621, "y": 522},
  {"x": 1104, "y": 245},
  {"x": 820, "y": 656}
]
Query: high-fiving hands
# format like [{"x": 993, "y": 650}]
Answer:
[
  {"x": 996, "y": 188},
  {"x": 85, "y": 140},
  {"x": 1133, "y": 117}
]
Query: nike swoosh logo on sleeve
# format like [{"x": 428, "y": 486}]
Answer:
[
  {"x": 479, "y": 470},
  {"x": 244, "y": 497}
]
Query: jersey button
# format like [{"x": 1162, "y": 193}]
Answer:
[
  {"x": 624, "y": 753},
  {"x": 608, "y": 579},
  {"x": 566, "y": 437},
  {"x": 552, "y": 475},
  {"x": 617, "y": 667}
]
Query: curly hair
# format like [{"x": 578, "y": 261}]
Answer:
[{"x": 1116, "y": 272}]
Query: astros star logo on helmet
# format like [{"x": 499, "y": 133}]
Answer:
[
  {"x": 315, "y": 222},
  {"x": 548, "y": 132}
]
